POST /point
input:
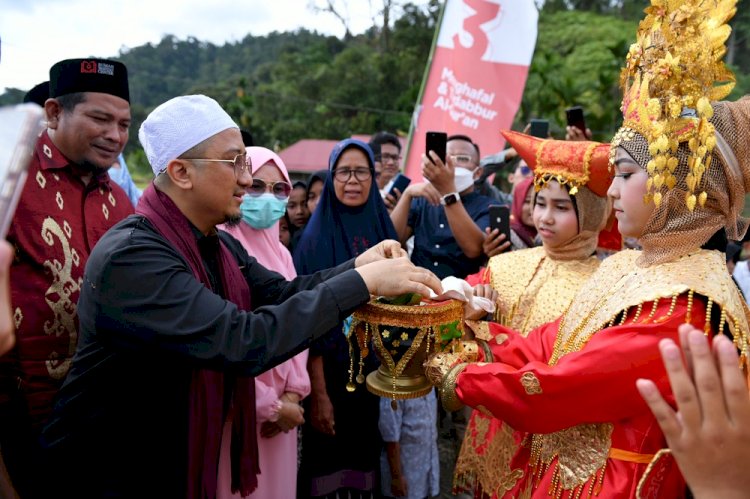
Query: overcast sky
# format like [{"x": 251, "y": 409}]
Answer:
[{"x": 37, "y": 33}]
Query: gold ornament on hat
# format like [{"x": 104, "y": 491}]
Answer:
[{"x": 673, "y": 72}]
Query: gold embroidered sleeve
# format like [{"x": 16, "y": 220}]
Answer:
[
  {"x": 481, "y": 329},
  {"x": 448, "y": 389},
  {"x": 469, "y": 351},
  {"x": 438, "y": 365}
]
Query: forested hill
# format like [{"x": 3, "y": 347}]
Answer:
[{"x": 287, "y": 86}]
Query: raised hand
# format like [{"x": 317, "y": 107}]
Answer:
[
  {"x": 575, "y": 133},
  {"x": 381, "y": 251},
  {"x": 495, "y": 242},
  {"x": 438, "y": 173},
  {"x": 424, "y": 190},
  {"x": 709, "y": 434},
  {"x": 391, "y": 200},
  {"x": 398, "y": 276}
]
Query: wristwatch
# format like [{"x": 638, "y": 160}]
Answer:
[{"x": 450, "y": 199}]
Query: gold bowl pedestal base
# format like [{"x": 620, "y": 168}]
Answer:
[{"x": 380, "y": 383}]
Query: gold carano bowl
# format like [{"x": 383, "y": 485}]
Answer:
[{"x": 403, "y": 336}]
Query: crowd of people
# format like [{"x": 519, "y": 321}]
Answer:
[{"x": 191, "y": 339}]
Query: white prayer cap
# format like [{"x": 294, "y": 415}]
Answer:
[{"x": 179, "y": 125}]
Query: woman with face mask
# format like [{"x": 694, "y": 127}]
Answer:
[
  {"x": 279, "y": 390},
  {"x": 533, "y": 286},
  {"x": 681, "y": 165},
  {"x": 341, "y": 425}
]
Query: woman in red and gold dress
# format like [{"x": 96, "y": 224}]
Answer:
[
  {"x": 682, "y": 168},
  {"x": 536, "y": 285}
]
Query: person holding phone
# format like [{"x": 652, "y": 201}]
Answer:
[
  {"x": 446, "y": 216},
  {"x": 386, "y": 148},
  {"x": 576, "y": 128},
  {"x": 534, "y": 286}
]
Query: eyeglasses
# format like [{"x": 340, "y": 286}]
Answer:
[
  {"x": 279, "y": 189},
  {"x": 462, "y": 159},
  {"x": 344, "y": 174},
  {"x": 241, "y": 163},
  {"x": 386, "y": 157},
  {"x": 525, "y": 170}
]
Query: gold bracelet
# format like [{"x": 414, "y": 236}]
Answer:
[
  {"x": 485, "y": 347},
  {"x": 448, "y": 388}
]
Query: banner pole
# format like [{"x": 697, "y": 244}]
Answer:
[{"x": 428, "y": 66}]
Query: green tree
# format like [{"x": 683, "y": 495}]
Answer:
[
  {"x": 12, "y": 96},
  {"x": 577, "y": 62}
]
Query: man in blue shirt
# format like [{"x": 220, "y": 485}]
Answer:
[{"x": 446, "y": 216}]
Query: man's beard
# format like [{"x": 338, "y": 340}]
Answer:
[{"x": 233, "y": 220}]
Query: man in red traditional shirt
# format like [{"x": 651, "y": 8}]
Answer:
[{"x": 67, "y": 204}]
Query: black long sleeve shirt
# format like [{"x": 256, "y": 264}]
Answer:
[{"x": 120, "y": 423}]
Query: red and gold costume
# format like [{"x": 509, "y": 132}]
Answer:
[
  {"x": 570, "y": 385},
  {"x": 57, "y": 222},
  {"x": 535, "y": 286},
  {"x": 537, "y": 290}
]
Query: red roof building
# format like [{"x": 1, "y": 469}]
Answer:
[{"x": 310, "y": 155}]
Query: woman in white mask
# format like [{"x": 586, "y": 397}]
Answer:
[{"x": 279, "y": 390}]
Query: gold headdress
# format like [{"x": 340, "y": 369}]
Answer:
[{"x": 669, "y": 82}]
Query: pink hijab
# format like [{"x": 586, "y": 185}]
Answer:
[{"x": 264, "y": 244}]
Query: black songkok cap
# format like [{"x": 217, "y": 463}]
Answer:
[
  {"x": 39, "y": 94},
  {"x": 89, "y": 75}
]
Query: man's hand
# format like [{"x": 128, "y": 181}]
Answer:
[
  {"x": 574, "y": 133},
  {"x": 391, "y": 200},
  {"x": 709, "y": 434},
  {"x": 397, "y": 276},
  {"x": 382, "y": 251},
  {"x": 439, "y": 174},
  {"x": 424, "y": 190},
  {"x": 495, "y": 242}
]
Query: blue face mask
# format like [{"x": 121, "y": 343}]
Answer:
[{"x": 263, "y": 211}]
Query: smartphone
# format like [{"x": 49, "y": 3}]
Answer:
[
  {"x": 500, "y": 219},
  {"x": 400, "y": 182},
  {"x": 20, "y": 127},
  {"x": 575, "y": 118},
  {"x": 436, "y": 141},
  {"x": 539, "y": 128}
]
